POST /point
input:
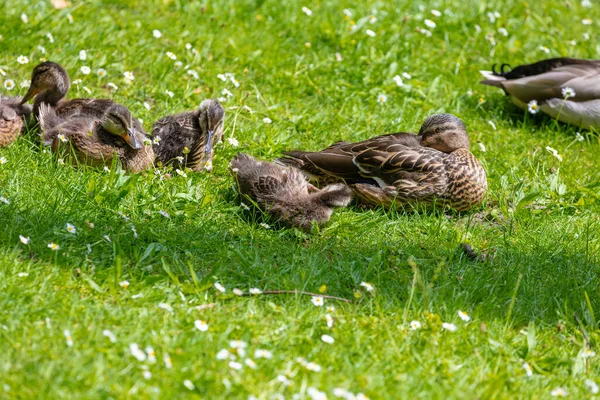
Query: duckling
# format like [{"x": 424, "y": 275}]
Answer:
[
  {"x": 197, "y": 131},
  {"x": 284, "y": 192},
  {"x": 13, "y": 118},
  {"x": 434, "y": 166},
  {"x": 96, "y": 141},
  {"x": 564, "y": 88},
  {"x": 49, "y": 85}
]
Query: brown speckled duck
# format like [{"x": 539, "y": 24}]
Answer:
[
  {"x": 188, "y": 139},
  {"x": 13, "y": 118},
  {"x": 564, "y": 88},
  {"x": 49, "y": 85},
  {"x": 434, "y": 166},
  {"x": 96, "y": 141},
  {"x": 284, "y": 192}
]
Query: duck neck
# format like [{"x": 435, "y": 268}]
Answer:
[{"x": 49, "y": 97}]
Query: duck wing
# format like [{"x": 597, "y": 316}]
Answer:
[{"x": 91, "y": 107}]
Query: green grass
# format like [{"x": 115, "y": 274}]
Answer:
[{"x": 538, "y": 227}]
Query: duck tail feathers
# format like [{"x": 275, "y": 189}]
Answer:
[
  {"x": 492, "y": 79},
  {"x": 48, "y": 120}
]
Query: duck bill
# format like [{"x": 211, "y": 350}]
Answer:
[
  {"x": 209, "y": 143},
  {"x": 131, "y": 139},
  {"x": 30, "y": 94}
]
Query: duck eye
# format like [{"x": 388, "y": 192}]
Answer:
[{"x": 437, "y": 130}]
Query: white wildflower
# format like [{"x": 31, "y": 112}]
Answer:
[
  {"x": 101, "y": 72},
  {"x": 128, "y": 76},
  {"x": 370, "y": 33},
  {"x": 165, "y": 306},
  {"x": 9, "y": 84},
  {"x": 554, "y": 152},
  {"x": 527, "y": 368},
  {"x": 579, "y": 137},
  {"x": 53, "y": 246},
  {"x": 220, "y": 287},
  {"x": 450, "y": 327},
  {"x": 329, "y": 320},
  {"x": 23, "y": 239},
  {"x": 50, "y": 37},
  {"x": 559, "y": 392},
  {"x": 545, "y": 49},
  {"x": 223, "y": 354},
  {"x": 429, "y": 23},
  {"x": 267, "y": 120},
  {"x": 124, "y": 284},
  {"x": 382, "y": 98},
  {"x": 156, "y": 33},
  {"x": 202, "y": 326},
  {"x": 592, "y": 386},
  {"x": 318, "y": 301},
  {"x": 24, "y": 18},
  {"x": 111, "y": 336},
  {"x": 233, "y": 141},
  {"x": 414, "y": 325},
  {"x": 22, "y": 59},
  {"x": 71, "y": 228},
  {"x": 22, "y": 274},
  {"x": 482, "y": 147},
  {"x": 533, "y": 107},
  {"x": 327, "y": 339},
  {"x": 367, "y": 286},
  {"x": 237, "y": 292},
  {"x": 262, "y": 353},
  {"x": 68, "y": 337},
  {"x": 82, "y": 55},
  {"x": 307, "y": 11},
  {"x": 112, "y": 86},
  {"x": 255, "y": 291},
  {"x": 586, "y": 21},
  {"x": 464, "y": 316},
  {"x": 398, "y": 80},
  {"x": 568, "y": 92},
  {"x": 265, "y": 225},
  {"x": 188, "y": 384},
  {"x": 503, "y": 31},
  {"x": 169, "y": 93}
]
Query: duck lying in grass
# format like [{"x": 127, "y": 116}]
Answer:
[
  {"x": 96, "y": 141},
  {"x": 434, "y": 166},
  {"x": 49, "y": 85},
  {"x": 564, "y": 88},
  {"x": 13, "y": 117},
  {"x": 283, "y": 192},
  {"x": 188, "y": 139}
]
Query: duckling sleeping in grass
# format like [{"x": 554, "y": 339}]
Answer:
[
  {"x": 188, "y": 139},
  {"x": 283, "y": 192},
  {"x": 13, "y": 117},
  {"x": 564, "y": 88},
  {"x": 96, "y": 141},
  {"x": 434, "y": 166}
]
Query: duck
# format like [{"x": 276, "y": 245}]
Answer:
[
  {"x": 433, "y": 167},
  {"x": 49, "y": 85},
  {"x": 187, "y": 139},
  {"x": 96, "y": 141},
  {"x": 285, "y": 194},
  {"x": 567, "y": 89},
  {"x": 14, "y": 117}
]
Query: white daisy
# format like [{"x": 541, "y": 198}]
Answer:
[
  {"x": 101, "y": 72},
  {"x": 202, "y": 326},
  {"x": 22, "y": 274},
  {"x": 329, "y": 320},
  {"x": 156, "y": 33},
  {"x": 220, "y": 287},
  {"x": 171, "y": 55},
  {"x": 588, "y": 353},
  {"x": 25, "y": 83},
  {"x": 50, "y": 37},
  {"x": 370, "y": 33},
  {"x": 68, "y": 337},
  {"x": 592, "y": 386},
  {"x": 430, "y": 24},
  {"x": 503, "y": 31},
  {"x": 237, "y": 292},
  {"x": 533, "y": 107},
  {"x": 436, "y": 13},
  {"x": 464, "y": 316},
  {"x": 223, "y": 354},
  {"x": 111, "y": 336},
  {"x": 42, "y": 49},
  {"x": 265, "y": 225},
  {"x": 255, "y": 291},
  {"x": 586, "y": 21},
  {"x": 482, "y": 147},
  {"x": 82, "y": 55},
  {"x": 53, "y": 246},
  {"x": 414, "y": 325},
  {"x": 555, "y": 153},
  {"x": 9, "y": 84},
  {"x": 579, "y": 137},
  {"x": 2, "y": 160},
  {"x": 267, "y": 120},
  {"x": 71, "y": 228},
  {"x": 188, "y": 384},
  {"x": 450, "y": 327},
  {"x": 128, "y": 76},
  {"x": 382, "y": 98},
  {"x": 406, "y": 75},
  {"x": 233, "y": 141},
  {"x": 164, "y": 214},
  {"x": 367, "y": 286},
  {"x": 318, "y": 301},
  {"x": 181, "y": 173},
  {"x": 112, "y": 86},
  {"x": 338, "y": 57},
  {"x": 165, "y": 306},
  {"x": 262, "y": 353},
  {"x": 124, "y": 284},
  {"x": 169, "y": 93},
  {"x": 327, "y": 339},
  {"x": 24, "y": 18},
  {"x": 22, "y": 59},
  {"x": 528, "y": 370},
  {"x": 307, "y": 11},
  {"x": 568, "y": 92},
  {"x": 545, "y": 49},
  {"x": 559, "y": 392},
  {"x": 23, "y": 239}
]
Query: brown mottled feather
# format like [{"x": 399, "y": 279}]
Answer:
[
  {"x": 389, "y": 171},
  {"x": 13, "y": 117},
  {"x": 284, "y": 192}
]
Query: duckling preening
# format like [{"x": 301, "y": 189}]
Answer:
[
  {"x": 434, "y": 166},
  {"x": 96, "y": 141},
  {"x": 285, "y": 194},
  {"x": 187, "y": 139}
]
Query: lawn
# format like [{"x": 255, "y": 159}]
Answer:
[{"x": 130, "y": 304}]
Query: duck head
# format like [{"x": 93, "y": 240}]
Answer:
[
  {"x": 48, "y": 80},
  {"x": 211, "y": 115},
  {"x": 118, "y": 121},
  {"x": 444, "y": 132}
]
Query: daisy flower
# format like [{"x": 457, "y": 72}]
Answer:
[
  {"x": 181, "y": 173},
  {"x": 545, "y": 49},
  {"x": 482, "y": 147},
  {"x": 156, "y": 33},
  {"x": 101, "y": 72},
  {"x": 156, "y": 140},
  {"x": 169, "y": 93},
  {"x": 2, "y": 160},
  {"x": 329, "y": 320},
  {"x": 25, "y": 83},
  {"x": 406, "y": 75},
  {"x": 318, "y": 301},
  {"x": 237, "y": 292},
  {"x": 233, "y": 141},
  {"x": 187, "y": 383},
  {"x": 568, "y": 92},
  {"x": 223, "y": 354},
  {"x": 398, "y": 80},
  {"x": 9, "y": 84},
  {"x": 503, "y": 31},
  {"x": 370, "y": 33},
  {"x": 327, "y": 339},
  {"x": 307, "y": 11},
  {"x": 264, "y": 225},
  {"x": 50, "y": 37},
  {"x": 533, "y": 107},
  {"x": 22, "y": 59},
  {"x": 124, "y": 284},
  {"x": 111, "y": 336},
  {"x": 42, "y": 49},
  {"x": 588, "y": 353},
  {"x": 450, "y": 327},
  {"x": 592, "y": 386},
  {"x": 82, "y": 55},
  {"x": 586, "y": 21},
  {"x": 71, "y": 228},
  {"x": 53, "y": 246},
  {"x": 220, "y": 287},
  {"x": 24, "y": 18},
  {"x": 68, "y": 337},
  {"x": 559, "y": 392},
  {"x": 202, "y": 326},
  {"x": 112, "y": 86},
  {"x": 267, "y": 120},
  {"x": 528, "y": 370},
  {"x": 414, "y": 325},
  {"x": 367, "y": 286},
  {"x": 4, "y": 200},
  {"x": 579, "y": 137},
  {"x": 554, "y": 152},
  {"x": 188, "y": 46},
  {"x": 436, "y": 13},
  {"x": 167, "y": 361},
  {"x": 382, "y": 98},
  {"x": 165, "y": 306},
  {"x": 430, "y": 24},
  {"x": 262, "y": 353},
  {"x": 338, "y": 57},
  {"x": 255, "y": 291},
  {"x": 147, "y": 374},
  {"x": 164, "y": 214},
  {"x": 23, "y": 239},
  {"x": 22, "y": 274},
  {"x": 171, "y": 55},
  {"x": 464, "y": 316},
  {"x": 128, "y": 76},
  {"x": 314, "y": 367}
]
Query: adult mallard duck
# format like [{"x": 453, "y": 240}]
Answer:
[
  {"x": 434, "y": 166},
  {"x": 49, "y": 85},
  {"x": 284, "y": 192},
  {"x": 564, "y": 88},
  {"x": 14, "y": 116},
  {"x": 187, "y": 139},
  {"x": 96, "y": 141}
]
